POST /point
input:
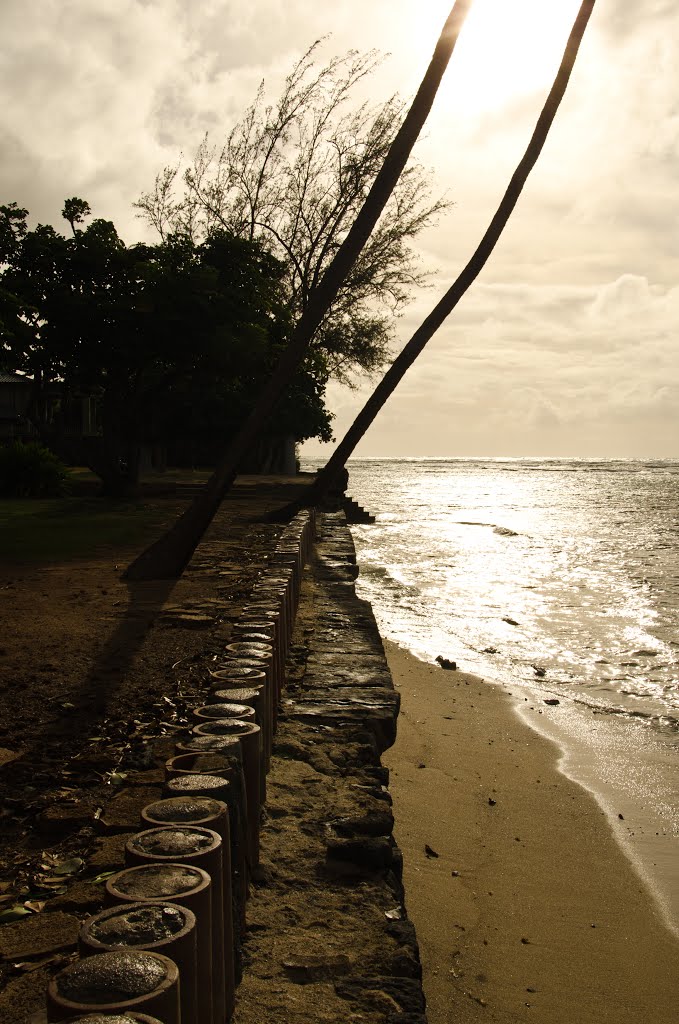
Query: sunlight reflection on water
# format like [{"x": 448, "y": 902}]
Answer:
[
  {"x": 559, "y": 579},
  {"x": 511, "y": 565}
]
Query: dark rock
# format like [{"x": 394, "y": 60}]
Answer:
[
  {"x": 552, "y": 701},
  {"x": 377, "y": 823},
  {"x": 378, "y": 772},
  {"x": 331, "y": 671},
  {"x": 399, "y": 995},
  {"x": 373, "y": 853},
  {"x": 394, "y": 877},
  {"x": 446, "y": 663},
  {"x": 404, "y": 933},
  {"x": 405, "y": 964},
  {"x": 379, "y": 717},
  {"x": 307, "y": 969}
]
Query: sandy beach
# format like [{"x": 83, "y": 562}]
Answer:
[{"x": 525, "y": 905}]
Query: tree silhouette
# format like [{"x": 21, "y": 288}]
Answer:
[
  {"x": 158, "y": 343},
  {"x": 75, "y": 210},
  {"x": 293, "y": 175},
  {"x": 167, "y": 557}
]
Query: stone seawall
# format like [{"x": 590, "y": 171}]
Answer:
[
  {"x": 329, "y": 939},
  {"x": 327, "y": 936}
]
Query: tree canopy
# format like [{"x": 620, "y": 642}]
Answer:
[
  {"x": 293, "y": 175},
  {"x": 172, "y": 339}
]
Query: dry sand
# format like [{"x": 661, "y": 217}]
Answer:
[{"x": 530, "y": 911}]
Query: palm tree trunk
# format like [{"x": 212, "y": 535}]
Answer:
[
  {"x": 443, "y": 309},
  {"x": 167, "y": 557}
]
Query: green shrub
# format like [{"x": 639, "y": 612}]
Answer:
[{"x": 31, "y": 471}]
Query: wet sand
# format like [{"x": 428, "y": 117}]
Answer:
[{"x": 526, "y": 907}]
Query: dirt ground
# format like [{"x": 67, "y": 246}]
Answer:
[
  {"x": 92, "y": 670},
  {"x": 98, "y": 676}
]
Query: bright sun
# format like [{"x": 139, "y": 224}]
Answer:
[{"x": 507, "y": 49}]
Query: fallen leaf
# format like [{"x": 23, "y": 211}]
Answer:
[
  {"x": 13, "y": 913},
  {"x": 116, "y": 778},
  {"x": 103, "y": 876},
  {"x": 71, "y": 866}
]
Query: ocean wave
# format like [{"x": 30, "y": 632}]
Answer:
[
  {"x": 662, "y": 721},
  {"x": 380, "y": 574},
  {"x": 592, "y": 575},
  {"x": 502, "y": 531}
]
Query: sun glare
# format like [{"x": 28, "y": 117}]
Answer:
[{"x": 507, "y": 49}]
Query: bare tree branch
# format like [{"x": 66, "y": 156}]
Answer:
[{"x": 294, "y": 175}]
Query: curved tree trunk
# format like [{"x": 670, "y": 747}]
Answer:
[
  {"x": 168, "y": 555},
  {"x": 331, "y": 471}
]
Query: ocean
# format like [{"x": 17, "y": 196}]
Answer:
[{"x": 559, "y": 580}]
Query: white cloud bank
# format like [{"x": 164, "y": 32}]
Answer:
[
  {"x": 541, "y": 370},
  {"x": 567, "y": 344}
]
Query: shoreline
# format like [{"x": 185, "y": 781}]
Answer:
[
  {"x": 631, "y": 772},
  {"x": 525, "y": 904},
  {"x": 595, "y": 752}
]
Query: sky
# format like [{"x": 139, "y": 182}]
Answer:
[{"x": 566, "y": 345}]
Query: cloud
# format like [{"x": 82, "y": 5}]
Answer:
[
  {"x": 621, "y": 20},
  {"x": 536, "y": 368},
  {"x": 97, "y": 98},
  {"x": 568, "y": 338},
  {"x": 84, "y": 82}
]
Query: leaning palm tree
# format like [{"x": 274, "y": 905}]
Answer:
[
  {"x": 332, "y": 471},
  {"x": 167, "y": 557}
]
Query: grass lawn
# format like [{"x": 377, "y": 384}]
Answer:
[{"x": 57, "y": 529}]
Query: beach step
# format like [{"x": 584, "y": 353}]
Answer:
[{"x": 355, "y": 513}]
